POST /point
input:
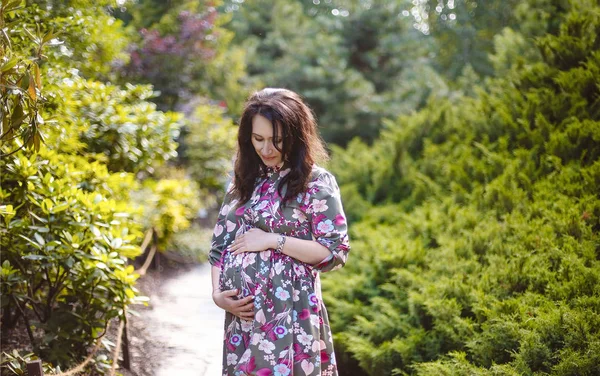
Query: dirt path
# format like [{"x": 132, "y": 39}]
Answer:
[{"x": 180, "y": 333}]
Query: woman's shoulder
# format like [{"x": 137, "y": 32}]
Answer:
[{"x": 321, "y": 177}]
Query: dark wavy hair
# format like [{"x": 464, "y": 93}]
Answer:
[{"x": 302, "y": 145}]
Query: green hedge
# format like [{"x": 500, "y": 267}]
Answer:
[{"x": 479, "y": 251}]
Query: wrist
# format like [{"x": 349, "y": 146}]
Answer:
[
  {"x": 280, "y": 242},
  {"x": 273, "y": 240}
]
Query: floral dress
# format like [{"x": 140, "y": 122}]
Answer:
[{"x": 290, "y": 333}]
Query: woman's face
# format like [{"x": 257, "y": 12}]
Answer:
[{"x": 263, "y": 142}]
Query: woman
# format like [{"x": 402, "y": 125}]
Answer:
[{"x": 281, "y": 223}]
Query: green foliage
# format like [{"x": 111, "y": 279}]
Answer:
[
  {"x": 118, "y": 126},
  {"x": 68, "y": 226},
  {"x": 207, "y": 146},
  {"x": 16, "y": 363},
  {"x": 193, "y": 243},
  {"x": 65, "y": 243},
  {"x": 475, "y": 251},
  {"x": 20, "y": 84},
  {"x": 167, "y": 206}
]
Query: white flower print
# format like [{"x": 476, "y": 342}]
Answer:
[
  {"x": 299, "y": 270},
  {"x": 246, "y": 325},
  {"x": 314, "y": 320},
  {"x": 255, "y": 339},
  {"x": 218, "y": 230},
  {"x": 231, "y": 359},
  {"x": 299, "y": 215},
  {"x": 246, "y": 356},
  {"x": 305, "y": 339},
  {"x": 296, "y": 295},
  {"x": 263, "y": 204},
  {"x": 279, "y": 267},
  {"x": 266, "y": 346},
  {"x": 319, "y": 206},
  {"x": 249, "y": 259}
]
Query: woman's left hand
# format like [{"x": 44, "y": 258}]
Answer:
[{"x": 253, "y": 240}]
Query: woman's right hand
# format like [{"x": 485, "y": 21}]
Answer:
[{"x": 242, "y": 308}]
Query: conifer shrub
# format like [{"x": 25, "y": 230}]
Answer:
[{"x": 481, "y": 256}]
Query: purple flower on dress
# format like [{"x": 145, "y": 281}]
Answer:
[
  {"x": 312, "y": 299},
  {"x": 235, "y": 339},
  {"x": 281, "y": 331}
]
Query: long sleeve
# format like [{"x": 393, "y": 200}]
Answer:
[
  {"x": 328, "y": 221},
  {"x": 220, "y": 234}
]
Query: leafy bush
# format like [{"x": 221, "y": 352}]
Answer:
[
  {"x": 65, "y": 246},
  {"x": 480, "y": 254}
]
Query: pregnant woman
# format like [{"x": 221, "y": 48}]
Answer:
[{"x": 281, "y": 223}]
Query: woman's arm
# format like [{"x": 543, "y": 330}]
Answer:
[{"x": 256, "y": 240}]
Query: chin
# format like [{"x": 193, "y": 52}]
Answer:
[{"x": 272, "y": 163}]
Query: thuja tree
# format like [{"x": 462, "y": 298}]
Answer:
[{"x": 480, "y": 255}]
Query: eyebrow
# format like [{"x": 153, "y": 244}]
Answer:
[{"x": 258, "y": 135}]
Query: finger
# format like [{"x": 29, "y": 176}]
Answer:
[
  {"x": 240, "y": 250},
  {"x": 248, "y": 307},
  {"x": 246, "y": 314},
  {"x": 241, "y": 302},
  {"x": 233, "y": 292}
]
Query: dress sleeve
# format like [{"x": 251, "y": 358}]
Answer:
[
  {"x": 328, "y": 221},
  {"x": 220, "y": 234}
]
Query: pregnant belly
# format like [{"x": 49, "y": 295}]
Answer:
[{"x": 240, "y": 272}]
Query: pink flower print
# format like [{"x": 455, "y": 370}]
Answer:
[
  {"x": 282, "y": 294},
  {"x": 299, "y": 270},
  {"x": 218, "y": 230},
  {"x": 299, "y": 215},
  {"x": 325, "y": 226},
  {"x": 319, "y": 206},
  {"x": 266, "y": 346},
  {"x": 312, "y": 299},
  {"x": 249, "y": 258}
]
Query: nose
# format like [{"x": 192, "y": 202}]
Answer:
[{"x": 266, "y": 149}]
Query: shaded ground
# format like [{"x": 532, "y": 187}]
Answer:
[{"x": 180, "y": 332}]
